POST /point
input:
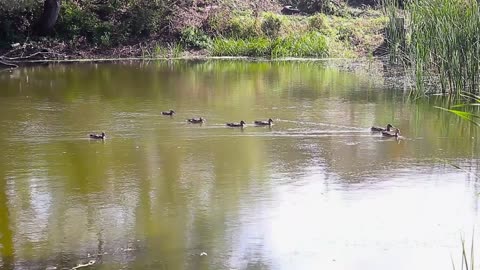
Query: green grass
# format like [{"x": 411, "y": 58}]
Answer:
[
  {"x": 311, "y": 44},
  {"x": 254, "y": 47},
  {"x": 274, "y": 35}
]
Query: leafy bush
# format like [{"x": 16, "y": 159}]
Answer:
[
  {"x": 194, "y": 38},
  {"x": 76, "y": 22},
  {"x": 111, "y": 22},
  {"x": 345, "y": 34},
  {"x": 271, "y": 25},
  {"x": 242, "y": 27},
  {"x": 316, "y": 22},
  {"x": 105, "y": 22},
  {"x": 144, "y": 18},
  {"x": 217, "y": 21},
  {"x": 17, "y": 19}
]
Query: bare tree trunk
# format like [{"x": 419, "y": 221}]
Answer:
[{"x": 51, "y": 9}]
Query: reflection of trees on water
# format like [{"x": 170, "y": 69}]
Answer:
[
  {"x": 6, "y": 234},
  {"x": 168, "y": 193}
]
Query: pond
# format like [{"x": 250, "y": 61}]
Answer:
[{"x": 317, "y": 190}]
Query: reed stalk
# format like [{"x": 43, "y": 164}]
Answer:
[{"x": 443, "y": 42}]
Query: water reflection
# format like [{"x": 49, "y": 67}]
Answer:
[{"x": 317, "y": 190}]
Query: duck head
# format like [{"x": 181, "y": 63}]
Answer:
[
  {"x": 389, "y": 127},
  {"x": 270, "y": 121},
  {"x": 242, "y": 123}
]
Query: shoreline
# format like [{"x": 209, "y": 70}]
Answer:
[{"x": 202, "y": 57}]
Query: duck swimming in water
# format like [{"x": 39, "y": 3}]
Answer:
[
  {"x": 242, "y": 124},
  {"x": 171, "y": 112},
  {"x": 392, "y": 133},
  {"x": 380, "y": 129},
  {"x": 269, "y": 122},
  {"x": 98, "y": 136},
  {"x": 196, "y": 120}
]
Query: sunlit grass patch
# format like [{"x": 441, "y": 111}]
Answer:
[{"x": 311, "y": 44}]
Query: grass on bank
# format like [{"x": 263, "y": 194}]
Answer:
[
  {"x": 311, "y": 44},
  {"x": 346, "y": 32},
  {"x": 300, "y": 36}
]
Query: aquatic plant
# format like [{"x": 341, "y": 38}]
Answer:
[
  {"x": 395, "y": 31},
  {"x": 467, "y": 111},
  {"x": 271, "y": 25},
  {"x": 195, "y": 38},
  {"x": 444, "y": 42},
  {"x": 466, "y": 263}
]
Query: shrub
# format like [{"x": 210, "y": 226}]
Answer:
[
  {"x": 75, "y": 21},
  {"x": 145, "y": 18},
  {"x": 17, "y": 19},
  {"x": 271, "y": 25},
  {"x": 195, "y": 38},
  {"x": 217, "y": 22},
  {"x": 242, "y": 27},
  {"x": 345, "y": 34},
  {"x": 316, "y": 22}
]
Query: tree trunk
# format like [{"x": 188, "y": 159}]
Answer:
[{"x": 51, "y": 9}]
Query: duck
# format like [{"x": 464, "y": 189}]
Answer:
[
  {"x": 196, "y": 120},
  {"x": 242, "y": 124},
  {"x": 171, "y": 112},
  {"x": 394, "y": 133},
  {"x": 269, "y": 122},
  {"x": 98, "y": 136},
  {"x": 380, "y": 129}
]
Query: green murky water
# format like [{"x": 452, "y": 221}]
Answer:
[{"x": 315, "y": 191}]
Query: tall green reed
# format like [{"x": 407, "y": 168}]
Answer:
[
  {"x": 395, "y": 30},
  {"x": 444, "y": 45},
  {"x": 466, "y": 263},
  {"x": 468, "y": 111}
]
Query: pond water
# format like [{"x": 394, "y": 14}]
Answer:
[{"x": 317, "y": 190}]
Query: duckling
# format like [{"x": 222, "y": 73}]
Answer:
[
  {"x": 380, "y": 129},
  {"x": 196, "y": 120},
  {"x": 394, "y": 133},
  {"x": 241, "y": 124},
  {"x": 171, "y": 113},
  {"x": 269, "y": 122},
  {"x": 98, "y": 136}
]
